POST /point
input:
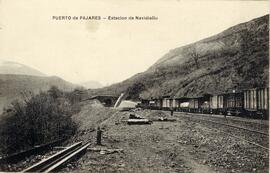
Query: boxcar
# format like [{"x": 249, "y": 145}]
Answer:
[
  {"x": 199, "y": 104},
  {"x": 205, "y": 103},
  {"x": 250, "y": 102},
  {"x": 194, "y": 104},
  {"x": 233, "y": 103},
  {"x": 166, "y": 102},
  {"x": 216, "y": 104},
  {"x": 174, "y": 104},
  {"x": 182, "y": 104},
  {"x": 158, "y": 103},
  {"x": 205, "y": 107},
  {"x": 263, "y": 102},
  {"x": 171, "y": 103},
  {"x": 256, "y": 102}
]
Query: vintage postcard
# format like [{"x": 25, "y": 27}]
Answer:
[{"x": 134, "y": 86}]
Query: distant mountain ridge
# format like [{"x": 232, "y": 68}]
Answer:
[
  {"x": 16, "y": 78},
  {"x": 13, "y": 86},
  {"x": 9, "y": 67},
  {"x": 237, "y": 58}
]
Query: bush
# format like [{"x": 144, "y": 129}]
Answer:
[{"x": 37, "y": 120}]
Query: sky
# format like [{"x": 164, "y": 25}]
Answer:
[{"x": 110, "y": 51}]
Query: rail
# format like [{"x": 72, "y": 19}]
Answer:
[
  {"x": 16, "y": 157},
  {"x": 55, "y": 161},
  {"x": 233, "y": 126}
]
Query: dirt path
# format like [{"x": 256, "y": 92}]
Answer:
[{"x": 179, "y": 146}]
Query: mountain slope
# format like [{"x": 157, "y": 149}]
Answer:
[
  {"x": 237, "y": 58},
  {"x": 13, "y": 86},
  {"x": 8, "y": 67}
]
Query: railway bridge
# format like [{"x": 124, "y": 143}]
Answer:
[{"x": 106, "y": 100}]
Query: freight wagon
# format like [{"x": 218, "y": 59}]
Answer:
[
  {"x": 166, "y": 102},
  {"x": 252, "y": 102},
  {"x": 182, "y": 104},
  {"x": 233, "y": 103},
  {"x": 216, "y": 104},
  {"x": 158, "y": 102},
  {"x": 256, "y": 102},
  {"x": 200, "y": 104}
]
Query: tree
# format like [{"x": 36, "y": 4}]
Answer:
[
  {"x": 37, "y": 120},
  {"x": 247, "y": 43},
  {"x": 55, "y": 92},
  {"x": 193, "y": 53}
]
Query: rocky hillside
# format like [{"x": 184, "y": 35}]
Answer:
[{"x": 237, "y": 58}]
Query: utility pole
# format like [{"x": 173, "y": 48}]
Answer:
[{"x": 99, "y": 134}]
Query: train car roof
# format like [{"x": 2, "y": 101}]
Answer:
[
  {"x": 180, "y": 98},
  {"x": 239, "y": 92},
  {"x": 256, "y": 88}
]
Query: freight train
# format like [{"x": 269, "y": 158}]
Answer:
[{"x": 252, "y": 103}]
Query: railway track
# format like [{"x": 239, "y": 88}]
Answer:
[
  {"x": 234, "y": 126},
  {"x": 59, "y": 159},
  {"x": 16, "y": 157},
  {"x": 244, "y": 124},
  {"x": 256, "y": 138}
]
